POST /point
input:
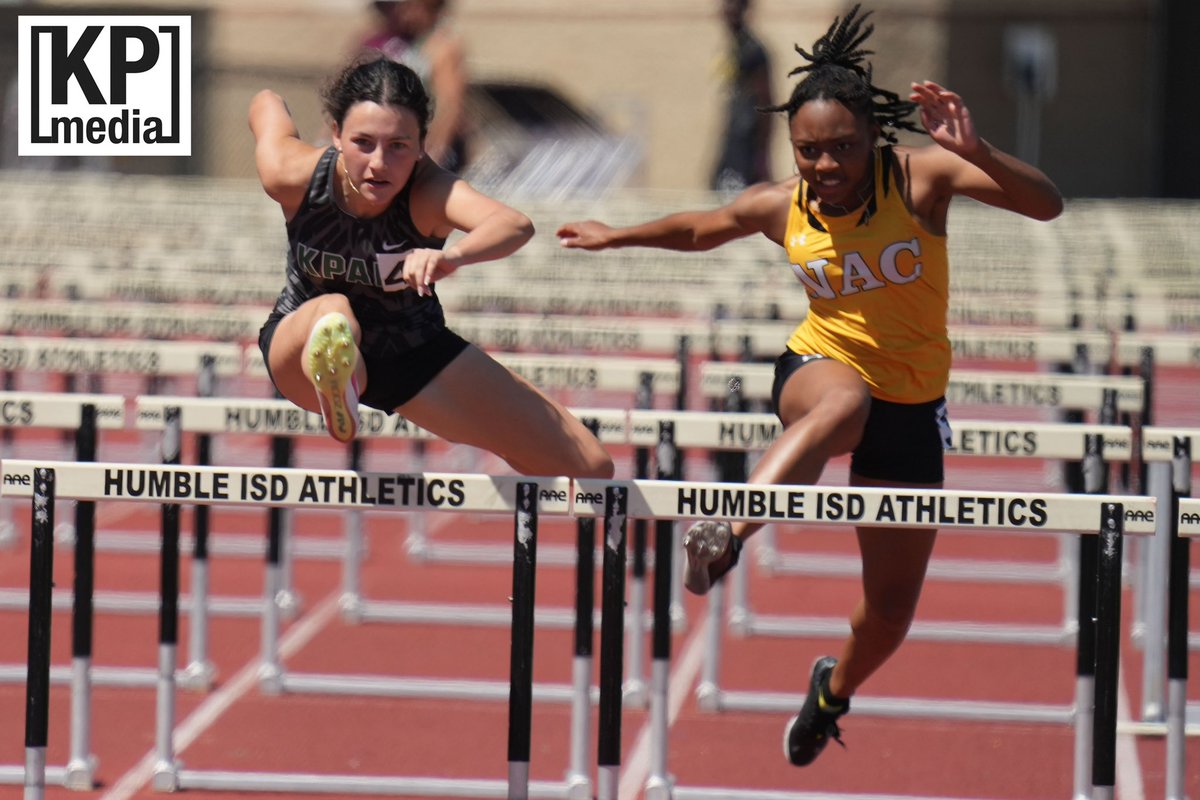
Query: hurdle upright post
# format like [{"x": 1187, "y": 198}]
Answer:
[
  {"x": 270, "y": 671},
  {"x": 200, "y": 672},
  {"x": 1177, "y": 622},
  {"x": 658, "y": 782},
  {"x": 612, "y": 632},
  {"x": 166, "y": 770},
  {"x": 579, "y": 782},
  {"x": 37, "y": 680},
  {"x": 678, "y": 612},
  {"x": 635, "y": 691},
  {"x": 351, "y": 601},
  {"x": 81, "y": 765},
  {"x": 520, "y": 693},
  {"x": 1108, "y": 642}
]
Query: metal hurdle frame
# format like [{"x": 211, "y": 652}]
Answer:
[
  {"x": 616, "y": 501},
  {"x": 86, "y": 414},
  {"x": 525, "y": 499},
  {"x": 1148, "y": 351},
  {"x": 1107, "y": 516},
  {"x": 214, "y": 415}
]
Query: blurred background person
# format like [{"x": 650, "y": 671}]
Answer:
[
  {"x": 417, "y": 34},
  {"x": 743, "y": 156}
]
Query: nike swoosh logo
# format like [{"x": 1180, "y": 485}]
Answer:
[{"x": 389, "y": 247}]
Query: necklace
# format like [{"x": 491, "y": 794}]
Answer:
[
  {"x": 346, "y": 177},
  {"x": 861, "y": 196}
]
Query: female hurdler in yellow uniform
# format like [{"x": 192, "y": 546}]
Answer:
[{"x": 864, "y": 227}]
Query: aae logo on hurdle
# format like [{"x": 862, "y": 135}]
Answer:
[{"x": 101, "y": 85}]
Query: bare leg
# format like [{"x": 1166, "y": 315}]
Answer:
[
  {"x": 893, "y": 564},
  {"x": 288, "y": 367},
  {"x": 477, "y": 401},
  {"x": 824, "y": 406}
]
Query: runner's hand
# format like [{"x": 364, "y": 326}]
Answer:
[
  {"x": 945, "y": 116},
  {"x": 589, "y": 235}
]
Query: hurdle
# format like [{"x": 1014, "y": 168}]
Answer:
[
  {"x": 1171, "y": 451},
  {"x": 86, "y": 414},
  {"x": 1107, "y": 516},
  {"x": 29, "y": 316},
  {"x": 216, "y": 415},
  {"x": 615, "y": 501},
  {"x": 1075, "y": 441},
  {"x": 170, "y": 485},
  {"x": 1149, "y": 351},
  {"x": 1169, "y": 454}
]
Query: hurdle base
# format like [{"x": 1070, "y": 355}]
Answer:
[
  {"x": 352, "y": 607},
  {"x": 579, "y": 787},
  {"x": 635, "y": 694},
  {"x": 198, "y": 676},
  {"x": 270, "y": 679},
  {"x": 708, "y": 696},
  {"x": 659, "y": 788},
  {"x": 80, "y": 774},
  {"x": 309, "y": 783},
  {"x": 166, "y": 776}
]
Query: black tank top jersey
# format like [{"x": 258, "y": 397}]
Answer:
[{"x": 332, "y": 251}]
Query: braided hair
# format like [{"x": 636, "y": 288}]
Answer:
[{"x": 836, "y": 72}]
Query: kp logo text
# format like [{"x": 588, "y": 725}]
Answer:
[{"x": 100, "y": 85}]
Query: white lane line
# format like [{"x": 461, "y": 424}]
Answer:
[
  {"x": 679, "y": 686},
  {"x": 208, "y": 712}
]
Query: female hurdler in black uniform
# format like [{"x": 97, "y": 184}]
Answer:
[{"x": 358, "y": 320}]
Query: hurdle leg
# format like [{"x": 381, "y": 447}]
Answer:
[
  {"x": 659, "y": 784},
  {"x": 1108, "y": 638},
  {"x": 351, "y": 601},
  {"x": 1085, "y": 667},
  {"x": 166, "y": 770},
  {"x": 1157, "y": 553},
  {"x": 200, "y": 672},
  {"x": 1177, "y": 625},
  {"x": 81, "y": 765},
  {"x": 635, "y": 684},
  {"x": 270, "y": 670},
  {"x": 635, "y": 692},
  {"x": 612, "y": 633},
  {"x": 579, "y": 783},
  {"x": 37, "y": 682},
  {"x": 416, "y": 544},
  {"x": 520, "y": 693},
  {"x": 708, "y": 691}
]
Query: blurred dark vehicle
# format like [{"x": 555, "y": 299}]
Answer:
[{"x": 529, "y": 139}]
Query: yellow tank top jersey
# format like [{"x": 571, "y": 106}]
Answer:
[{"x": 878, "y": 291}]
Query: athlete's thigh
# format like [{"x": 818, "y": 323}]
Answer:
[
  {"x": 822, "y": 380},
  {"x": 894, "y": 559},
  {"x": 477, "y": 401}
]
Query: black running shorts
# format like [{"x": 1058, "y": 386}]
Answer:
[
  {"x": 395, "y": 375},
  {"x": 903, "y": 442}
]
